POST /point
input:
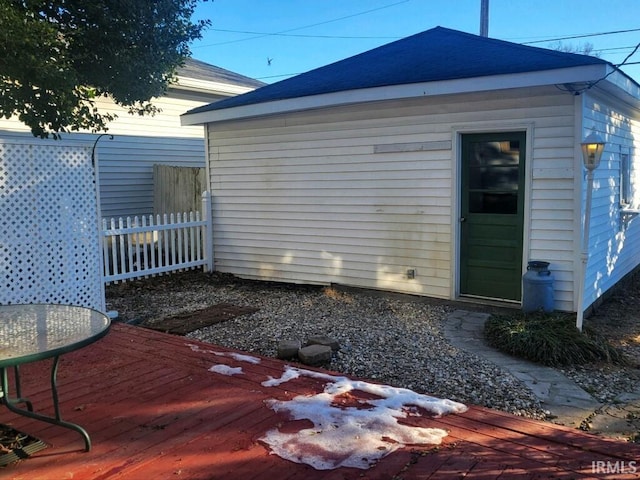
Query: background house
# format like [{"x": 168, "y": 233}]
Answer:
[
  {"x": 437, "y": 165},
  {"x": 139, "y": 142}
]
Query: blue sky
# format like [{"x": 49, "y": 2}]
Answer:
[{"x": 273, "y": 39}]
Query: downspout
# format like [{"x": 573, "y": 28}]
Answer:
[{"x": 209, "y": 202}]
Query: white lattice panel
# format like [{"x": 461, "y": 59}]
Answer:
[{"x": 49, "y": 238}]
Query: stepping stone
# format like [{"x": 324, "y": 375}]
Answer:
[
  {"x": 288, "y": 349},
  {"x": 324, "y": 340},
  {"x": 315, "y": 354}
]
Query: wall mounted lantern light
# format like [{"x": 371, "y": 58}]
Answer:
[{"x": 592, "y": 148}]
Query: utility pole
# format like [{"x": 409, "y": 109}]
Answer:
[{"x": 484, "y": 18}]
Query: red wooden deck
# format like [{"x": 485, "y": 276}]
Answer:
[{"x": 155, "y": 411}]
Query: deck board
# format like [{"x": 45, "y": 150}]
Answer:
[{"x": 154, "y": 410}]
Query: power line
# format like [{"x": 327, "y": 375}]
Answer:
[
  {"x": 593, "y": 84},
  {"x": 261, "y": 35},
  {"x": 266, "y": 34},
  {"x": 629, "y": 56},
  {"x": 278, "y": 76},
  {"x": 630, "y": 47},
  {"x": 286, "y": 33},
  {"x": 586, "y": 35}
]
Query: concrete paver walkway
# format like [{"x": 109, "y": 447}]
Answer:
[{"x": 567, "y": 402}]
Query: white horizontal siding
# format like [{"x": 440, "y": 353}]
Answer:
[
  {"x": 164, "y": 123},
  {"x": 614, "y": 250},
  {"x": 303, "y": 197},
  {"x": 552, "y": 220},
  {"x": 126, "y": 169}
]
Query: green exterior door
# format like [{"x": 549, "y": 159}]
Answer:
[{"x": 491, "y": 215}]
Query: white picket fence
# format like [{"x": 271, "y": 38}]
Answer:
[{"x": 146, "y": 245}]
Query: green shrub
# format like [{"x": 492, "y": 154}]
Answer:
[{"x": 548, "y": 338}]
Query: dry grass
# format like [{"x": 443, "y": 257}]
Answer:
[
  {"x": 550, "y": 339},
  {"x": 618, "y": 318}
]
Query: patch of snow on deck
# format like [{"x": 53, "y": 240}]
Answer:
[
  {"x": 348, "y": 436},
  {"x": 244, "y": 358},
  {"x": 289, "y": 374},
  {"x": 226, "y": 370},
  {"x": 197, "y": 348},
  {"x": 237, "y": 356}
]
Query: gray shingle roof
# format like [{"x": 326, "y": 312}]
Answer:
[
  {"x": 433, "y": 55},
  {"x": 199, "y": 70}
]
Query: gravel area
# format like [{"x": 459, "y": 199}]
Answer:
[
  {"x": 393, "y": 339},
  {"x": 618, "y": 320}
]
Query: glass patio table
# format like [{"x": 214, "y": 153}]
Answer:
[{"x": 29, "y": 333}]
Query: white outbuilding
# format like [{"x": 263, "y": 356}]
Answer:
[{"x": 438, "y": 165}]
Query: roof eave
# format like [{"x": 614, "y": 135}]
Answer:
[
  {"x": 622, "y": 86},
  {"x": 206, "y": 86},
  {"x": 587, "y": 73}
]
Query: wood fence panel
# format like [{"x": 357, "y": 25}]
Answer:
[{"x": 177, "y": 189}]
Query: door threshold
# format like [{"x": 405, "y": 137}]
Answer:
[{"x": 496, "y": 302}]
